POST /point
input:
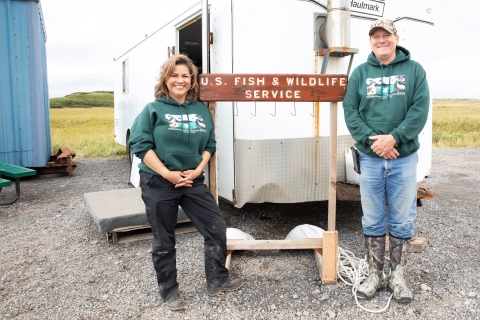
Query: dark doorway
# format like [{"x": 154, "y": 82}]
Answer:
[{"x": 190, "y": 40}]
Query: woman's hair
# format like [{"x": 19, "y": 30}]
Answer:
[{"x": 167, "y": 70}]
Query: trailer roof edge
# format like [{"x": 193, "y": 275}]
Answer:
[{"x": 166, "y": 24}]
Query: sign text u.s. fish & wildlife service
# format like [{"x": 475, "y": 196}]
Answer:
[{"x": 273, "y": 87}]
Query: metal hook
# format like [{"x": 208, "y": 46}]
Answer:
[
  {"x": 313, "y": 108},
  {"x": 255, "y": 110},
  {"x": 295, "y": 109},
  {"x": 235, "y": 108},
  {"x": 274, "y": 115}
]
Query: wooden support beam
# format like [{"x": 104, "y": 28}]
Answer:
[
  {"x": 228, "y": 260},
  {"x": 212, "y": 106},
  {"x": 417, "y": 244},
  {"x": 325, "y": 250},
  {"x": 312, "y": 243},
  {"x": 327, "y": 263},
  {"x": 234, "y": 87},
  {"x": 136, "y": 233},
  {"x": 332, "y": 194}
]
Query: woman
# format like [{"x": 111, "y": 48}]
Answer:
[{"x": 174, "y": 136}]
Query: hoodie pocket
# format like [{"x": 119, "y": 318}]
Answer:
[{"x": 181, "y": 161}]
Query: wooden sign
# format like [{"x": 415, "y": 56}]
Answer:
[{"x": 273, "y": 87}]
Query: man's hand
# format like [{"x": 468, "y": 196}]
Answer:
[{"x": 384, "y": 146}]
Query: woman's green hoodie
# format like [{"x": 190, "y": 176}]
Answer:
[
  {"x": 177, "y": 133},
  {"x": 387, "y": 99}
]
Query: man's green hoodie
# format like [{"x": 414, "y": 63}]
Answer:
[
  {"x": 177, "y": 133},
  {"x": 387, "y": 99}
]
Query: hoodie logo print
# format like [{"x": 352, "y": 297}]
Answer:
[
  {"x": 385, "y": 87},
  {"x": 193, "y": 123}
]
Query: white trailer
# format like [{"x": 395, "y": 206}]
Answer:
[{"x": 271, "y": 151}]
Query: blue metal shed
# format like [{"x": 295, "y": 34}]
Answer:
[{"x": 24, "y": 105}]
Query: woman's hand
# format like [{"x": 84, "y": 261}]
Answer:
[
  {"x": 175, "y": 177},
  {"x": 178, "y": 178},
  {"x": 187, "y": 178}
]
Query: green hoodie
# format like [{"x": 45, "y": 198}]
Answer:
[
  {"x": 387, "y": 99},
  {"x": 177, "y": 133}
]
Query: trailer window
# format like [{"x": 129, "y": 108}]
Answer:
[{"x": 125, "y": 76}]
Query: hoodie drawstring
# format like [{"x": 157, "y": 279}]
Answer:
[
  {"x": 389, "y": 80},
  {"x": 188, "y": 122},
  {"x": 185, "y": 106}
]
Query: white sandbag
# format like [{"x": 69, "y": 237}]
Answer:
[
  {"x": 233, "y": 233},
  {"x": 305, "y": 231}
]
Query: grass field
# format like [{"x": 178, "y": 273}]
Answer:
[
  {"x": 88, "y": 131},
  {"x": 456, "y": 123}
]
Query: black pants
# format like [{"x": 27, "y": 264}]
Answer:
[{"x": 161, "y": 200}]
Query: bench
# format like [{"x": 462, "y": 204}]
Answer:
[
  {"x": 15, "y": 172},
  {"x": 5, "y": 183}
]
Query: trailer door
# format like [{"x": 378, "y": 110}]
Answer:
[{"x": 219, "y": 41}]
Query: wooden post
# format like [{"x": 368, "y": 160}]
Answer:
[
  {"x": 332, "y": 195},
  {"x": 285, "y": 87},
  {"x": 327, "y": 262},
  {"x": 213, "y": 160}
]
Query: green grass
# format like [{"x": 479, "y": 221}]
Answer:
[
  {"x": 84, "y": 124},
  {"x": 456, "y": 123},
  {"x": 84, "y": 100},
  {"x": 86, "y": 132}
]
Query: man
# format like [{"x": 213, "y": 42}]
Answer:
[{"x": 385, "y": 108}]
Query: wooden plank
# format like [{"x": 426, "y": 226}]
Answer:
[
  {"x": 319, "y": 262},
  {"x": 131, "y": 228},
  {"x": 273, "y": 87},
  {"x": 417, "y": 244},
  {"x": 332, "y": 195},
  {"x": 329, "y": 265},
  {"x": 228, "y": 260},
  {"x": 213, "y": 160},
  {"x": 311, "y": 243},
  {"x": 118, "y": 237}
]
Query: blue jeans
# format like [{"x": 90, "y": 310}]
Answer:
[{"x": 394, "y": 181}]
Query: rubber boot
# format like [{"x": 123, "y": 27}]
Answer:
[
  {"x": 398, "y": 263},
  {"x": 375, "y": 281}
]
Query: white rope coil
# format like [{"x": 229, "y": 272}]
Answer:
[{"x": 352, "y": 271}]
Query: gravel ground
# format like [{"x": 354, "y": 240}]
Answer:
[{"x": 54, "y": 264}]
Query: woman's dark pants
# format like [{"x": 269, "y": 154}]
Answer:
[{"x": 161, "y": 200}]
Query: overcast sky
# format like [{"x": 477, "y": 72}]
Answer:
[{"x": 83, "y": 38}]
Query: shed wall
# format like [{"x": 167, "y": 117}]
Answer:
[{"x": 24, "y": 104}]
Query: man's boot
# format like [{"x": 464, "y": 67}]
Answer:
[
  {"x": 375, "y": 281},
  {"x": 398, "y": 262}
]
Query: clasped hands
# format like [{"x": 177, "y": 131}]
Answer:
[
  {"x": 384, "y": 146},
  {"x": 182, "y": 178}
]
